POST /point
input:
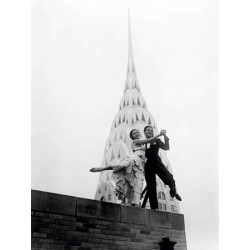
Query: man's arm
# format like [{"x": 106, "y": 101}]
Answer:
[{"x": 164, "y": 145}]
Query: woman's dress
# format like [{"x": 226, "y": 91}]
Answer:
[{"x": 129, "y": 180}]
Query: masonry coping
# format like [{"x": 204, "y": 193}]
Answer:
[{"x": 81, "y": 207}]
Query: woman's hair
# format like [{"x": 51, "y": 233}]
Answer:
[{"x": 130, "y": 134}]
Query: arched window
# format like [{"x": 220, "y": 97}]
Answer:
[
  {"x": 163, "y": 196},
  {"x": 159, "y": 195},
  {"x": 109, "y": 197},
  {"x": 103, "y": 198}
]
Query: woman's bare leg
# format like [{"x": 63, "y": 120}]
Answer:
[{"x": 101, "y": 169}]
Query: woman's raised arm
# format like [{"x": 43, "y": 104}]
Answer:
[{"x": 145, "y": 141}]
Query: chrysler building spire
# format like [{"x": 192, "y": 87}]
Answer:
[
  {"x": 131, "y": 79},
  {"x": 130, "y": 49}
]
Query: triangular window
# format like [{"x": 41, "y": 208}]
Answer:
[
  {"x": 149, "y": 121},
  {"x": 119, "y": 155},
  {"x": 138, "y": 102},
  {"x": 112, "y": 156},
  {"x": 143, "y": 118},
  {"x": 137, "y": 119}
]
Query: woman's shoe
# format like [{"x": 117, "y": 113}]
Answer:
[{"x": 94, "y": 170}]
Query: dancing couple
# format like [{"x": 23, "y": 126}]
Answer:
[{"x": 143, "y": 161}]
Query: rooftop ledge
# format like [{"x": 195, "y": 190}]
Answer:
[{"x": 81, "y": 207}]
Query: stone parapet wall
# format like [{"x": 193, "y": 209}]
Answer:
[{"x": 70, "y": 223}]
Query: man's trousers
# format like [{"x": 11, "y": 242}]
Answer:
[{"x": 153, "y": 167}]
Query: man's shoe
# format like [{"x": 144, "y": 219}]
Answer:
[{"x": 177, "y": 196}]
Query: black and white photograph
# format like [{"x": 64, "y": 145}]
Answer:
[{"x": 124, "y": 124}]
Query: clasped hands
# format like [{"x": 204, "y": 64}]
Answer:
[{"x": 163, "y": 132}]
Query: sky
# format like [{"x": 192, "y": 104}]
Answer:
[{"x": 79, "y": 52}]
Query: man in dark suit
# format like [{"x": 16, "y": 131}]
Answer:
[{"x": 155, "y": 166}]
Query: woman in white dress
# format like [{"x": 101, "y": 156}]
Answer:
[{"x": 129, "y": 172}]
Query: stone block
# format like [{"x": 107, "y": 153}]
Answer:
[
  {"x": 158, "y": 219},
  {"x": 87, "y": 208},
  {"x": 133, "y": 215},
  {"x": 145, "y": 231},
  {"x": 60, "y": 204},
  {"x": 177, "y": 222},
  {"x": 110, "y": 211},
  {"x": 39, "y": 235},
  {"x": 69, "y": 218},
  {"x": 36, "y": 200},
  {"x": 55, "y": 216}
]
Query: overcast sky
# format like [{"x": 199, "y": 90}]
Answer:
[{"x": 79, "y": 60}]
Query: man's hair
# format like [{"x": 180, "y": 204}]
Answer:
[
  {"x": 148, "y": 126},
  {"x": 130, "y": 134}
]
